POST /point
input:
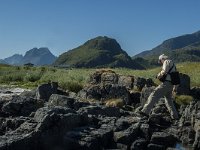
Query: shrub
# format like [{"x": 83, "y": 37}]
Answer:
[
  {"x": 17, "y": 68},
  {"x": 17, "y": 77},
  {"x": 71, "y": 86},
  {"x": 32, "y": 77},
  {"x": 43, "y": 69},
  {"x": 183, "y": 99}
]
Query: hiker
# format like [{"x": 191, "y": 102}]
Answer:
[{"x": 165, "y": 89}]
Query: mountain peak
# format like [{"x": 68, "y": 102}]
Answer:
[
  {"x": 41, "y": 56},
  {"x": 103, "y": 43},
  {"x": 97, "y": 52}
]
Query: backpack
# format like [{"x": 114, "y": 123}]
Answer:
[{"x": 175, "y": 77}]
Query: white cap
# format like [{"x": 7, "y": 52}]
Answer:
[{"x": 163, "y": 56}]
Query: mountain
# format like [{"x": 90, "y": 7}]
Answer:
[
  {"x": 2, "y": 61},
  {"x": 14, "y": 60},
  {"x": 181, "y": 48},
  {"x": 97, "y": 52},
  {"x": 41, "y": 56}
]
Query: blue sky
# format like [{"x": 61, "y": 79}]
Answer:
[{"x": 62, "y": 25}]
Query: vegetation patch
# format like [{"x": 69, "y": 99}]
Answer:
[
  {"x": 114, "y": 103},
  {"x": 183, "y": 99}
]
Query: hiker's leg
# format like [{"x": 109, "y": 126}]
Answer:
[
  {"x": 170, "y": 105},
  {"x": 154, "y": 97}
]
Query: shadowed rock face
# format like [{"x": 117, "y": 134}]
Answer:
[{"x": 66, "y": 122}]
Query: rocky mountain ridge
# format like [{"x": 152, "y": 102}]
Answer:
[
  {"x": 41, "y": 56},
  {"x": 180, "y": 49}
]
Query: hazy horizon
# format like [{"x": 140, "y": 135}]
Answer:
[{"x": 63, "y": 25}]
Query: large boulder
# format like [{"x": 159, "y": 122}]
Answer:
[
  {"x": 127, "y": 81},
  {"x": 103, "y": 76},
  {"x": 101, "y": 111},
  {"x": 195, "y": 92},
  {"x": 134, "y": 98},
  {"x": 61, "y": 100},
  {"x": 10, "y": 124},
  {"x": 190, "y": 125},
  {"x": 164, "y": 139},
  {"x": 21, "y": 106},
  {"x": 184, "y": 86},
  {"x": 44, "y": 91},
  {"x": 139, "y": 83},
  {"x": 109, "y": 78},
  {"x": 45, "y": 131},
  {"x": 88, "y": 138},
  {"x": 104, "y": 92},
  {"x": 127, "y": 136}
]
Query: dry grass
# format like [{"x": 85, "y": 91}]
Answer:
[{"x": 114, "y": 103}]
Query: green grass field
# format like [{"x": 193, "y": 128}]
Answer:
[{"x": 75, "y": 79}]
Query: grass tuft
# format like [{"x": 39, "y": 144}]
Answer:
[{"x": 183, "y": 99}]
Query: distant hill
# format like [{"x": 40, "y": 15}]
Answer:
[
  {"x": 180, "y": 49},
  {"x": 97, "y": 52},
  {"x": 14, "y": 60},
  {"x": 2, "y": 61},
  {"x": 41, "y": 56}
]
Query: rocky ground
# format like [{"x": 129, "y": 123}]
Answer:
[{"x": 49, "y": 118}]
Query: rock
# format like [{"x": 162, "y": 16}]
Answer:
[
  {"x": 127, "y": 81},
  {"x": 149, "y": 83},
  {"x": 101, "y": 111},
  {"x": 61, "y": 100},
  {"x": 116, "y": 91},
  {"x": 139, "y": 83},
  {"x": 140, "y": 144},
  {"x": 195, "y": 92},
  {"x": 160, "y": 115},
  {"x": 96, "y": 77},
  {"x": 88, "y": 138},
  {"x": 31, "y": 93},
  {"x": 47, "y": 111},
  {"x": 123, "y": 122},
  {"x": 10, "y": 124},
  {"x": 122, "y": 146},
  {"x": 159, "y": 120},
  {"x": 165, "y": 139},
  {"x": 187, "y": 135},
  {"x": 155, "y": 147},
  {"x": 196, "y": 143},
  {"x": 21, "y": 106},
  {"x": 145, "y": 131},
  {"x": 184, "y": 86},
  {"x": 134, "y": 98},
  {"x": 127, "y": 136},
  {"x": 146, "y": 91},
  {"x": 109, "y": 78},
  {"x": 104, "y": 92},
  {"x": 49, "y": 125},
  {"x": 44, "y": 91},
  {"x": 80, "y": 104}
]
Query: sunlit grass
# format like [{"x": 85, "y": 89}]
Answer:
[{"x": 76, "y": 78}]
